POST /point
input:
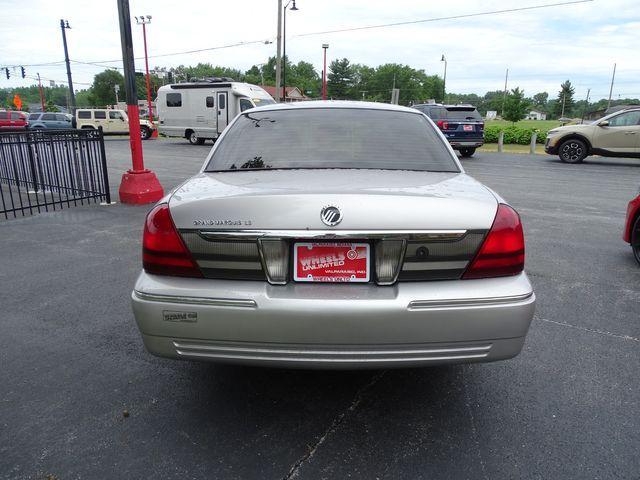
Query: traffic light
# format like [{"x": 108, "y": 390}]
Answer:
[
  {"x": 6, "y": 72},
  {"x": 22, "y": 72}
]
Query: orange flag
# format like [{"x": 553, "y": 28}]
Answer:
[{"x": 17, "y": 101}]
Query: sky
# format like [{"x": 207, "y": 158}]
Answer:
[{"x": 540, "y": 47}]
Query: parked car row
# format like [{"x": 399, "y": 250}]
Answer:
[{"x": 113, "y": 122}]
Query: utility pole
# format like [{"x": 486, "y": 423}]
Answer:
[
  {"x": 444, "y": 80},
  {"x": 586, "y": 105},
  {"x": 139, "y": 185},
  {"x": 142, "y": 20},
  {"x": 613, "y": 77},
  {"x": 64, "y": 24},
  {"x": 504, "y": 97},
  {"x": 278, "y": 52},
  {"x": 41, "y": 93},
  {"x": 563, "y": 97},
  {"x": 324, "y": 72}
]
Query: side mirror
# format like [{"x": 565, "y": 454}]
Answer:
[{"x": 604, "y": 123}]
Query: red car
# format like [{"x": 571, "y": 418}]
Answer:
[
  {"x": 632, "y": 227},
  {"x": 12, "y": 120}
]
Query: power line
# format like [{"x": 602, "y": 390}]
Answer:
[
  {"x": 219, "y": 47},
  {"x": 437, "y": 19},
  {"x": 366, "y": 27},
  {"x": 33, "y": 64}
]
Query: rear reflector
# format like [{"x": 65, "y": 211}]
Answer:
[
  {"x": 275, "y": 257},
  {"x": 389, "y": 255},
  {"x": 502, "y": 252},
  {"x": 163, "y": 252}
]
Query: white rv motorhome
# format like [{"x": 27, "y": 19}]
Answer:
[{"x": 202, "y": 109}]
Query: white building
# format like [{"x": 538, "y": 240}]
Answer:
[{"x": 536, "y": 115}]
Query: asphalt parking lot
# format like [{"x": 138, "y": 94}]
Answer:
[{"x": 72, "y": 362}]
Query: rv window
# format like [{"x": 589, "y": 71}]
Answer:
[
  {"x": 84, "y": 114},
  {"x": 99, "y": 114},
  {"x": 209, "y": 102},
  {"x": 221, "y": 101},
  {"x": 245, "y": 104},
  {"x": 174, "y": 99}
]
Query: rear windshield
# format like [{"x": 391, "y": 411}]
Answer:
[
  {"x": 332, "y": 138},
  {"x": 463, "y": 114}
]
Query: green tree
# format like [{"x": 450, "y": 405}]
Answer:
[
  {"x": 376, "y": 84},
  {"x": 305, "y": 77},
  {"x": 540, "y": 100},
  {"x": 492, "y": 101},
  {"x": 50, "y": 107},
  {"x": 340, "y": 79},
  {"x": 565, "y": 102},
  {"x": 102, "y": 90},
  {"x": 515, "y": 108}
]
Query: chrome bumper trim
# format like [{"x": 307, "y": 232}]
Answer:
[
  {"x": 468, "y": 302},
  {"x": 283, "y": 354},
  {"x": 215, "y": 302},
  {"x": 334, "y": 234}
]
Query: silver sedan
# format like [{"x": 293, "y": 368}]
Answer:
[{"x": 333, "y": 235}]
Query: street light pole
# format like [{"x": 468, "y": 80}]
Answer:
[
  {"x": 279, "y": 45},
  {"x": 142, "y": 20},
  {"x": 444, "y": 81},
  {"x": 139, "y": 185},
  {"x": 324, "y": 71},
  {"x": 284, "y": 47},
  {"x": 64, "y": 24}
]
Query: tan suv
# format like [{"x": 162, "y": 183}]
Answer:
[
  {"x": 113, "y": 122},
  {"x": 616, "y": 135}
]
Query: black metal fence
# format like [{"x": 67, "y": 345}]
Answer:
[{"x": 45, "y": 170}]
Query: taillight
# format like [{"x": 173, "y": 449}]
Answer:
[
  {"x": 502, "y": 252},
  {"x": 163, "y": 251},
  {"x": 442, "y": 125}
]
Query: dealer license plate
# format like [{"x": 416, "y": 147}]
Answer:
[{"x": 331, "y": 262}]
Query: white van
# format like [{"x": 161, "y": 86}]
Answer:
[
  {"x": 201, "y": 110},
  {"x": 113, "y": 122}
]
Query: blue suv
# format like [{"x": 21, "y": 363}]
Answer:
[
  {"x": 461, "y": 124},
  {"x": 50, "y": 121}
]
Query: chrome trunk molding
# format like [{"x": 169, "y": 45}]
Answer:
[
  {"x": 468, "y": 302},
  {"x": 442, "y": 235},
  {"x": 214, "y": 302}
]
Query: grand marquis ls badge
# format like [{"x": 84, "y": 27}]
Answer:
[{"x": 330, "y": 215}]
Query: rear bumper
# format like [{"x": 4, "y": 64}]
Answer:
[
  {"x": 334, "y": 326},
  {"x": 466, "y": 143}
]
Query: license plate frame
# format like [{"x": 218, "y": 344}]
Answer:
[{"x": 332, "y": 262}]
